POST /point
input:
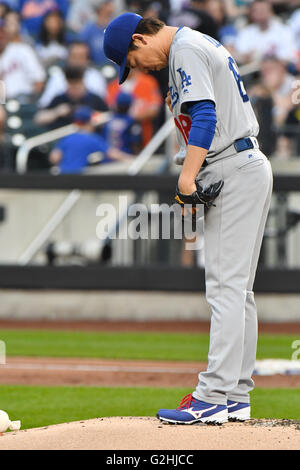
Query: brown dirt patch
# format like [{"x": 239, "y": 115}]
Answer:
[
  {"x": 149, "y": 433},
  {"x": 116, "y": 373},
  {"x": 120, "y": 326}
]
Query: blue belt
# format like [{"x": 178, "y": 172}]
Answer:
[
  {"x": 240, "y": 145},
  {"x": 243, "y": 144}
]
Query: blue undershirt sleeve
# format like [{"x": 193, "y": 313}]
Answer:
[{"x": 204, "y": 121}]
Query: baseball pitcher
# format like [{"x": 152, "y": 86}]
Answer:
[{"x": 223, "y": 169}]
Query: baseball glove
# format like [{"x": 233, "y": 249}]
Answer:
[{"x": 205, "y": 196}]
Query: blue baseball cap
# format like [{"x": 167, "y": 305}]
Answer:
[
  {"x": 117, "y": 38},
  {"x": 124, "y": 99},
  {"x": 83, "y": 114}
]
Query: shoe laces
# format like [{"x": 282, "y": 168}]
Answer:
[{"x": 186, "y": 402}]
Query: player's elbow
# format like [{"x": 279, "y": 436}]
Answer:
[{"x": 204, "y": 122}]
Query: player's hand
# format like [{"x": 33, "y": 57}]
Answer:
[
  {"x": 205, "y": 196},
  {"x": 168, "y": 102},
  {"x": 187, "y": 189}
]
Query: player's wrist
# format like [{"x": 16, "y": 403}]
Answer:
[{"x": 186, "y": 186}]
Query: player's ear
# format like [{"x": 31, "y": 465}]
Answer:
[{"x": 139, "y": 38}]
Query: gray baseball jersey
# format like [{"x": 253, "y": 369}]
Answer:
[{"x": 200, "y": 68}]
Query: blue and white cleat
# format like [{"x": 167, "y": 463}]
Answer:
[
  {"x": 238, "y": 411},
  {"x": 192, "y": 411}
]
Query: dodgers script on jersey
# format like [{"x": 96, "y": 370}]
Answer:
[{"x": 200, "y": 68}]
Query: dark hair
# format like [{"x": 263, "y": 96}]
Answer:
[
  {"x": 5, "y": 9},
  {"x": 44, "y": 36},
  {"x": 74, "y": 73},
  {"x": 149, "y": 27}
]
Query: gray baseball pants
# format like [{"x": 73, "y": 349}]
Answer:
[{"x": 233, "y": 232}]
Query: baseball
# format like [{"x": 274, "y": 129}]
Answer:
[{"x": 4, "y": 421}]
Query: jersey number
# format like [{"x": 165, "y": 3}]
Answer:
[
  {"x": 184, "y": 123},
  {"x": 238, "y": 80}
]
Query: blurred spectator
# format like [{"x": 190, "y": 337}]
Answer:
[
  {"x": 147, "y": 99},
  {"x": 52, "y": 39},
  {"x": 265, "y": 36},
  {"x": 272, "y": 101},
  {"x": 237, "y": 8},
  {"x": 20, "y": 68},
  {"x": 227, "y": 32},
  {"x": 78, "y": 56},
  {"x": 81, "y": 13},
  {"x": 152, "y": 10},
  {"x": 138, "y": 6},
  {"x": 122, "y": 131},
  {"x": 61, "y": 109},
  {"x": 156, "y": 9},
  {"x": 134, "y": 6},
  {"x": 279, "y": 82},
  {"x": 195, "y": 16},
  {"x": 290, "y": 140},
  {"x": 262, "y": 103},
  {"x": 294, "y": 24},
  {"x": 93, "y": 33},
  {"x": 13, "y": 27},
  {"x": 77, "y": 151},
  {"x": 34, "y": 11}
]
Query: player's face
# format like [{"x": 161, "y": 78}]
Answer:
[{"x": 148, "y": 56}]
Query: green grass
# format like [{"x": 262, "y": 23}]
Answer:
[
  {"x": 160, "y": 346},
  {"x": 42, "y": 406}
]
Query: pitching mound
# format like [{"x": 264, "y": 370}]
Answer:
[{"x": 150, "y": 434}]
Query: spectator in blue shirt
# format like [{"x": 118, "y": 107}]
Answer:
[
  {"x": 93, "y": 33},
  {"x": 122, "y": 131},
  {"x": 83, "y": 148},
  {"x": 33, "y": 12}
]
